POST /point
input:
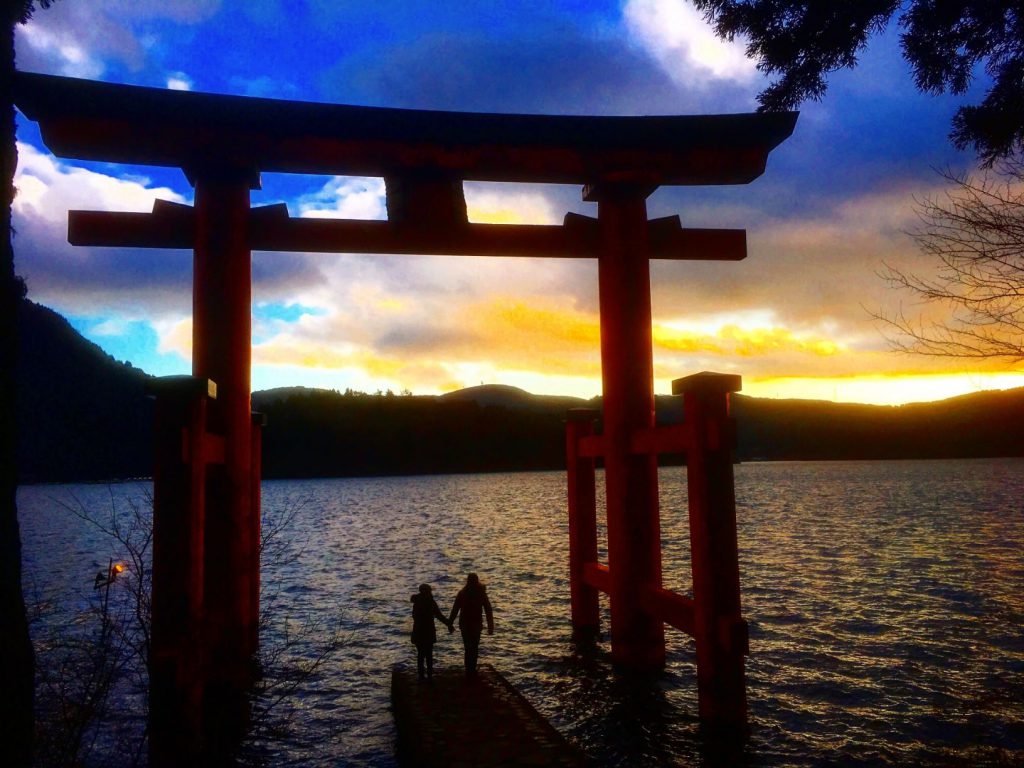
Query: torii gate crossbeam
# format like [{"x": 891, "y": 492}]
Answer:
[{"x": 206, "y": 482}]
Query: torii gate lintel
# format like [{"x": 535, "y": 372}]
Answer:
[{"x": 271, "y": 228}]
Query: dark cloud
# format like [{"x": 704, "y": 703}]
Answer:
[
  {"x": 422, "y": 339},
  {"x": 150, "y": 281},
  {"x": 84, "y": 278},
  {"x": 559, "y": 71},
  {"x": 274, "y": 274}
]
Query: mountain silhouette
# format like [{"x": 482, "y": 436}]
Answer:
[{"x": 84, "y": 416}]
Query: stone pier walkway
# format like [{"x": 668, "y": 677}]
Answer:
[{"x": 458, "y": 722}]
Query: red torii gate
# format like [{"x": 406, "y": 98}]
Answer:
[{"x": 206, "y": 480}]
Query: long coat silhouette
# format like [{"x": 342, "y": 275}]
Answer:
[{"x": 471, "y": 604}]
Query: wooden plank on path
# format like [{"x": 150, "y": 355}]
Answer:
[{"x": 455, "y": 720}]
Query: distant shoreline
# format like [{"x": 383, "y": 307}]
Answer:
[{"x": 392, "y": 476}]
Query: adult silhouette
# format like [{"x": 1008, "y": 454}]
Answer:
[
  {"x": 424, "y": 611},
  {"x": 470, "y": 605}
]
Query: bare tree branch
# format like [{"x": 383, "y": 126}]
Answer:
[{"x": 975, "y": 235}]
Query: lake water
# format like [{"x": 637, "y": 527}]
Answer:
[{"x": 885, "y": 602}]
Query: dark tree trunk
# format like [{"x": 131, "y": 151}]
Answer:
[{"x": 17, "y": 664}]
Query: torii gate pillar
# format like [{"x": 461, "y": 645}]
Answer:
[
  {"x": 627, "y": 371},
  {"x": 221, "y": 351}
]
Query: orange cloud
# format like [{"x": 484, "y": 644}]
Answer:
[
  {"x": 732, "y": 339},
  {"x": 553, "y": 346},
  {"x": 513, "y": 339},
  {"x": 762, "y": 341},
  {"x": 535, "y": 322},
  {"x": 175, "y": 336}
]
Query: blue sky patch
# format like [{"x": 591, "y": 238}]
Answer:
[{"x": 135, "y": 341}]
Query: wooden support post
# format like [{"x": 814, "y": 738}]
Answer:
[
  {"x": 582, "y": 525},
  {"x": 221, "y": 350},
  {"x": 426, "y": 201},
  {"x": 176, "y": 659},
  {"x": 634, "y": 536},
  {"x": 259, "y": 421},
  {"x": 719, "y": 629}
]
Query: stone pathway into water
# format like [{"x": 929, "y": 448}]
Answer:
[{"x": 458, "y": 722}]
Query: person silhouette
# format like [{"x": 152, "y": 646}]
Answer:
[
  {"x": 470, "y": 604},
  {"x": 424, "y": 611}
]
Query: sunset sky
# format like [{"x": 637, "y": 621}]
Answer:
[{"x": 794, "y": 319}]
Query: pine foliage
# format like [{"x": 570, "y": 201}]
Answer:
[{"x": 945, "y": 42}]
